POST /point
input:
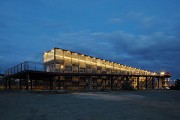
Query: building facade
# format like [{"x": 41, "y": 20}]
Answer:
[
  {"x": 66, "y": 70},
  {"x": 65, "y": 61}
]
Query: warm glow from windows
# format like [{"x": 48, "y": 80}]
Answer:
[
  {"x": 62, "y": 66},
  {"x": 66, "y": 58},
  {"x": 162, "y": 73}
]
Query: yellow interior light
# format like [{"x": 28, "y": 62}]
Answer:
[{"x": 162, "y": 73}]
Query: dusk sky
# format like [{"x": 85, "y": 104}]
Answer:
[{"x": 139, "y": 33}]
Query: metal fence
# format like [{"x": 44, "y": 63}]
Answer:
[
  {"x": 27, "y": 65},
  {"x": 37, "y": 66}
]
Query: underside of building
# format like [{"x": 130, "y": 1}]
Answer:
[{"x": 67, "y": 70}]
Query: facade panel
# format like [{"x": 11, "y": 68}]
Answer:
[{"x": 65, "y": 61}]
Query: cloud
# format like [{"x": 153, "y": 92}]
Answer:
[
  {"x": 157, "y": 51},
  {"x": 147, "y": 24}
]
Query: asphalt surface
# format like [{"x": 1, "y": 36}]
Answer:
[{"x": 123, "y": 105}]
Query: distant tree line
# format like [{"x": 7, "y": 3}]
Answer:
[{"x": 176, "y": 86}]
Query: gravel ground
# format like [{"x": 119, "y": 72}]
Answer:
[{"x": 123, "y": 105}]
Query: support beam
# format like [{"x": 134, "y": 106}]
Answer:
[
  {"x": 20, "y": 84},
  {"x": 158, "y": 82},
  {"x": 6, "y": 84},
  {"x": 146, "y": 83},
  {"x": 112, "y": 83},
  {"x": 59, "y": 83},
  {"x": 31, "y": 83},
  {"x": 9, "y": 83},
  {"x": 90, "y": 83},
  {"x": 152, "y": 86},
  {"x": 138, "y": 83},
  {"x": 35, "y": 84},
  {"x": 27, "y": 81},
  {"x": 46, "y": 84},
  {"x": 51, "y": 84},
  {"x": 127, "y": 78},
  {"x": 54, "y": 84}
]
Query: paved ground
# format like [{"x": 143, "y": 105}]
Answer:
[{"x": 124, "y": 105}]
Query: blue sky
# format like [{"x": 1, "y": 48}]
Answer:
[{"x": 140, "y": 33}]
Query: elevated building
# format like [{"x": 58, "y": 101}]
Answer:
[
  {"x": 65, "y": 61},
  {"x": 60, "y": 60},
  {"x": 66, "y": 70}
]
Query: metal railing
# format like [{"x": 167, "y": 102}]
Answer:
[
  {"x": 27, "y": 65},
  {"x": 37, "y": 66}
]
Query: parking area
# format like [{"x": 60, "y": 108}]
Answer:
[{"x": 125, "y": 105}]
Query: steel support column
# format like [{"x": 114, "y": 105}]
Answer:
[
  {"x": 51, "y": 84},
  {"x": 9, "y": 83},
  {"x": 6, "y": 84},
  {"x": 127, "y": 78},
  {"x": 146, "y": 83},
  {"x": 20, "y": 84},
  {"x": 158, "y": 82},
  {"x": 112, "y": 83},
  {"x": 138, "y": 83},
  {"x": 59, "y": 83},
  {"x": 152, "y": 83},
  {"x": 27, "y": 81},
  {"x": 31, "y": 83},
  {"x": 89, "y": 83},
  {"x": 35, "y": 84}
]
